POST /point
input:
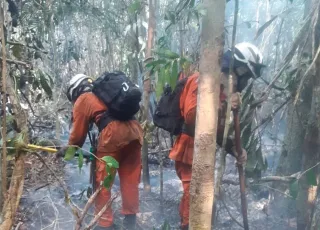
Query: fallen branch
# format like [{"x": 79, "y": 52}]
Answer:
[
  {"x": 267, "y": 179},
  {"x": 96, "y": 218},
  {"x": 41, "y": 186},
  {"x": 31, "y": 47},
  {"x": 10, "y": 61},
  {"x": 87, "y": 206}
]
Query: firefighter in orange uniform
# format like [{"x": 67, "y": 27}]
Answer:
[
  {"x": 119, "y": 139},
  {"x": 248, "y": 62}
]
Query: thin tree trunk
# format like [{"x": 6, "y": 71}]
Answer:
[
  {"x": 3, "y": 158},
  {"x": 14, "y": 194},
  {"x": 181, "y": 30},
  {"x": 202, "y": 182},
  {"x": 146, "y": 98}
]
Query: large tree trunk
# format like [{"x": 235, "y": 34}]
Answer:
[
  {"x": 202, "y": 183},
  {"x": 146, "y": 97},
  {"x": 307, "y": 195}
]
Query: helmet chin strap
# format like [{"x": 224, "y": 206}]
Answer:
[{"x": 85, "y": 88}]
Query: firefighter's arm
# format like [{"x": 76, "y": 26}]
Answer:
[{"x": 80, "y": 127}]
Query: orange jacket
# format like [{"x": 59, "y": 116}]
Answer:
[
  {"x": 115, "y": 136},
  {"x": 184, "y": 144}
]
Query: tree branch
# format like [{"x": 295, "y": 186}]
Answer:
[
  {"x": 29, "y": 103},
  {"x": 31, "y": 47},
  {"x": 86, "y": 207},
  {"x": 10, "y": 61},
  {"x": 97, "y": 217},
  {"x": 267, "y": 179}
]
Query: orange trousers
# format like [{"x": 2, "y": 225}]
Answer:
[
  {"x": 129, "y": 170},
  {"x": 184, "y": 172}
]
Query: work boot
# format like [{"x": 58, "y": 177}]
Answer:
[
  {"x": 129, "y": 222},
  {"x": 104, "y": 228}
]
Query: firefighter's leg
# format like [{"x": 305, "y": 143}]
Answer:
[
  {"x": 184, "y": 172},
  {"x": 129, "y": 173},
  {"x": 104, "y": 195}
]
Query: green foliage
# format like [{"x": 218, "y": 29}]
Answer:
[
  {"x": 44, "y": 81},
  {"x": 111, "y": 165},
  {"x": 165, "y": 226},
  {"x": 111, "y": 162},
  {"x": 167, "y": 68},
  {"x": 311, "y": 177},
  {"x": 80, "y": 159},
  {"x": 256, "y": 163},
  {"x": 293, "y": 189},
  {"x": 135, "y": 7},
  {"x": 186, "y": 10},
  {"x": 71, "y": 151}
]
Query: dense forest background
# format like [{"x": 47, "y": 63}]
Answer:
[{"x": 45, "y": 43}]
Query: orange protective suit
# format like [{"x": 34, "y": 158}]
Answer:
[
  {"x": 121, "y": 140},
  {"x": 182, "y": 151}
]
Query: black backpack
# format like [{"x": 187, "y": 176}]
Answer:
[
  {"x": 120, "y": 95},
  {"x": 167, "y": 114}
]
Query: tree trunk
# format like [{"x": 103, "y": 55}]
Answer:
[
  {"x": 3, "y": 134},
  {"x": 202, "y": 183},
  {"x": 14, "y": 194},
  {"x": 12, "y": 197},
  {"x": 307, "y": 194},
  {"x": 146, "y": 97}
]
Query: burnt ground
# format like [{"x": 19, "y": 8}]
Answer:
[{"x": 43, "y": 207}]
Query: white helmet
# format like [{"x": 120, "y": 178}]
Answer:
[
  {"x": 251, "y": 56},
  {"x": 74, "y": 83}
]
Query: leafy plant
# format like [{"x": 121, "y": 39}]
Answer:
[
  {"x": 256, "y": 163},
  {"x": 167, "y": 68},
  {"x": 111, "y": 166},
  {"x": 165, "y": 226},
  {"x": 293, "y": 189}
]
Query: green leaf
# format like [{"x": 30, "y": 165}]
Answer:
[
  {"x": 166, "y": 53},
  {"x": 108, "y": 181},
  {"x": 265, "y": 26},
  {"x": 153, "y": 64},
  {"x": 311, "y": 177},
  {"x": 45, "y": 85},
  {"x": 134, "y": 7},
  {"x": 293, "y": 189},
  {"x": 71, "y": 151},
  {"x": 111, "y": 161},
  {"x": 108, "y": 169},
  {"x": 174, "y": 73},
  {"x": 80, "y": 159}
]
